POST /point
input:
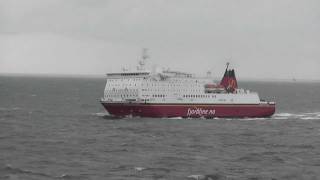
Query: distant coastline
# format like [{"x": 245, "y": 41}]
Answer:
[
  {"x": 53, "y": 75},
  {"x": 244, "y": 79}
]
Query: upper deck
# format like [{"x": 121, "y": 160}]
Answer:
[
  {"x": 128, "y": 74},
  {"x": 167, "y": 86}
]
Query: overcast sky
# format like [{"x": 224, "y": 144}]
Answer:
[{"x": 264, "y": 39}]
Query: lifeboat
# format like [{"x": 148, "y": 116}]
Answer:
[{"x": 214, "y": 88}]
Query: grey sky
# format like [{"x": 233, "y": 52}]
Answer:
[{"x": 278, "y": 39}]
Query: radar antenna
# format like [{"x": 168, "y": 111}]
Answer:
[
  {"x": 228, "y": 65},
  {"x": 228, "y": 62}
]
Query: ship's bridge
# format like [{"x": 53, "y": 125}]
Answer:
[{"x": 177, "y": 74}]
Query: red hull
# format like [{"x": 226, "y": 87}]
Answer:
[{"x": 189, "y": 110}]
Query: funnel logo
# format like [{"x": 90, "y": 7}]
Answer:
[
  {"x": 229, "y": 80},
  {"x": 231, "y": 83}
]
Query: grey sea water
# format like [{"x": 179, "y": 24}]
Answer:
[{"x": 55, "y": 128}]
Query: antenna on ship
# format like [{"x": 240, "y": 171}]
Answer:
[{"x": 142, "y": 62}]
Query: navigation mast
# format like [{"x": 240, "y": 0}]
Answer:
[{"x": 144, "y": 57}]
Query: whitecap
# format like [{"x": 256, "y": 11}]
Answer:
[
  {"x": 66, "y": 176},
  {"x": 284, "y": 114},
  {"x": 196, "y": 176},
  {"x": 63, "y": 176},
  {"x": 175, "y": 118},
  {"x": 254, "y": 118},
  {"x": 278, "y": 118},
  {"x": 129, "y": 116},
  {"x": 9, "y": 109},
  {"x": 300, "y": 115},
  {"x": 228, "y": 119},
  {"x": 312, "y": 113},
  {"x": 101, "y": 114},
  {"x": 139, "y": 168},
  {"x": 310, "y": 118}
]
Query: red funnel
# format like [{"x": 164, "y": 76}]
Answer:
[{"x": 229, "y": 80}]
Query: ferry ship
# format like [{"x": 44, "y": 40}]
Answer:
[{"x": 167, "y": 93}]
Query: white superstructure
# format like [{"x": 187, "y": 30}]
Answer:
[{"x": 165, "y": 87}]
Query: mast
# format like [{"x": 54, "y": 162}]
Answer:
[
  {"x": 227, "y": 65},
  {"x": 144, "y": 57}
]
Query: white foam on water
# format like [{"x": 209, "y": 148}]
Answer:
[
  {"x": 284, "y": 114},
  {"x": 228, "y": 119},
  {"x": 254, "y": 119},
  {"x": 315, "y": 114},
  {"x": 130, "y": 116},
  {"x": 278, "y": 116},
  {"x": 243, "y": 119},
  {"x": 312, "y": 113},
  {"x": 302, "y": 116},
  {"x": 175, "y": 118},
  {"x": 15, "y": 108},
  {"x": 101, "y": 114},
  {"x": 193, "y": 118},
  {"x": 9, "y": 109},
  {"x": 63, "y": 176},
  {"x": 310, "y": 118},
  {"x": 196, "y": 176},
  {"x": 139, "y": 168},
  {"x": 281, "y": 118},
  {"x": 291, "y": 115}
]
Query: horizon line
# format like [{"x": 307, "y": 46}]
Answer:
[{"x": 298, "y": 80}]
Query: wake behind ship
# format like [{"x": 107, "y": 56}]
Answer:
[{"x": 169, "y": 93}]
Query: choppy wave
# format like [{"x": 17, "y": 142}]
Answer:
[
  {"x": 139, "y": 168},
  {"x": 106, "y": 115},
  {"x": 278, "y": 116},
  {"x": 174, "y": 118},
  {"x": 101, "y": 114},
  {"x": 67, "y": 176},
  {"x": 302, "y": 116},
  {"x": 9, "y": 109},
  {"x": 206, "y": 177},
  {"x": 310, "y": 118},
  {"x": 9, "y": 170}
]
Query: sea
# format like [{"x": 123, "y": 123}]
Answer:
[{"x": 55, "y": 128}]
